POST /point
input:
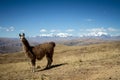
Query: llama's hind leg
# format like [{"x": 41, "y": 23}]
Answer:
[
  {"x": 33, "y": 61},
  {"x": 49, "y": 62},
  {"x": 49, "y": 57}
]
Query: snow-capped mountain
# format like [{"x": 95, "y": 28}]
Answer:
[
  {"x": 97, "y": 34},
  {"x": 13, "y": 45},
  {"x": 56, "y": 35}
]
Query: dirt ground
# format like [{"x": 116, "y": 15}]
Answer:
[{"x": 90, "y": 62}]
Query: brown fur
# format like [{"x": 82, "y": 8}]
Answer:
[{"x": 39, "y": 51}]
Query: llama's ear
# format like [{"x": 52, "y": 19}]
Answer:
[
  {"x": 23, "y": 34},
  {"x": 19, "y": 34}
]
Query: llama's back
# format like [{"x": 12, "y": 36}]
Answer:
[
  {"x": 47, "y": 45},
  {"x": 42, "y": 49}
]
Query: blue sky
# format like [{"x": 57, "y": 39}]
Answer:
[{"x": 59, "y": 17}]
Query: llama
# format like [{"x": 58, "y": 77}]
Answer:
[{"x": 38, "y": 52}]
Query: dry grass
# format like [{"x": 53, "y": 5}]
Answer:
[{"x": 93, "y": 62}]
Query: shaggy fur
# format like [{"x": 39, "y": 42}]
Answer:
[{"x": 39, "y": 51}]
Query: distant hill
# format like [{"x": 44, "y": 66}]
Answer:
[{"x": 10, "y": 45}]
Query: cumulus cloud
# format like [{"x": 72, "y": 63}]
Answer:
[
  {"x": 82, "y": 32},
  {"x": 111, "y": 29},
  {"x": 47, "y": 35},
  {"x": 55, "y": 30},
  {"x": 8, "y": 29},
  {"x": 70, "y": 30},
  {"x": 96, "y": 32},
  {"x": 57, "y": 34},
  {"x": 43, "y": 30},
  {"x": 89, "y": 20},
  {"x": 22, "y": 30},
  {"x": 63, "y": 34},
  {"x": 99, "y": 31},
  {"x": 96, "y": 29}
]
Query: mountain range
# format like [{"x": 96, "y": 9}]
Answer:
[{"x": 10, "y": 45}]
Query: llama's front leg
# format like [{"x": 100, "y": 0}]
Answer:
[{"x": 33, "y": 61}]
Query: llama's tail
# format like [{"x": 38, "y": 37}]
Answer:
[{"x": 53, "y": 43}]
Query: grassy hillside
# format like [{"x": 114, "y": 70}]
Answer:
[
  {"x": 91, "y": 62},
  {"x": 8, "y": 45}
]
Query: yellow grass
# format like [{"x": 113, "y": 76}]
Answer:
[{"x": 92, "y": 62}]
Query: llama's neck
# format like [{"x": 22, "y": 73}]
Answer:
[{"x": 26, "y": 46}]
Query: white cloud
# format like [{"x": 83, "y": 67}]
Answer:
[
  {"x": 8, "y": 29},
  {"x": 63, "y": 34},
  {"x": 53, "y": 30},
  {"x": 96, "y": 29},
  {"x": 46, "y": 35},
  {"x": 97, "y": 34},
  {"x": 0, "y": 28},
  {"x": 11, "y": 28},
  {"x": 70, "y": 30},
  {"x": 43, "y": 30},
  {"x": 111, "y": 29},
  {"x": 57, "y": 34},
  {"x": 89, "y": 20},
  {"x": 22, "y": 30},
  {"x": 99, "y": 31}
]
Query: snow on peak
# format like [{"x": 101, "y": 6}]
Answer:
[
  {"x": 56, "y": 35},
  {"x": 97, "y": 33},
  {"x": 63, "y": 35}
]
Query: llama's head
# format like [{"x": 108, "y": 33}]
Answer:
[{"x": 22, "y": 36}]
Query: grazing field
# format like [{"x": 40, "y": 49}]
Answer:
[{"x": 89, "y": 62}]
